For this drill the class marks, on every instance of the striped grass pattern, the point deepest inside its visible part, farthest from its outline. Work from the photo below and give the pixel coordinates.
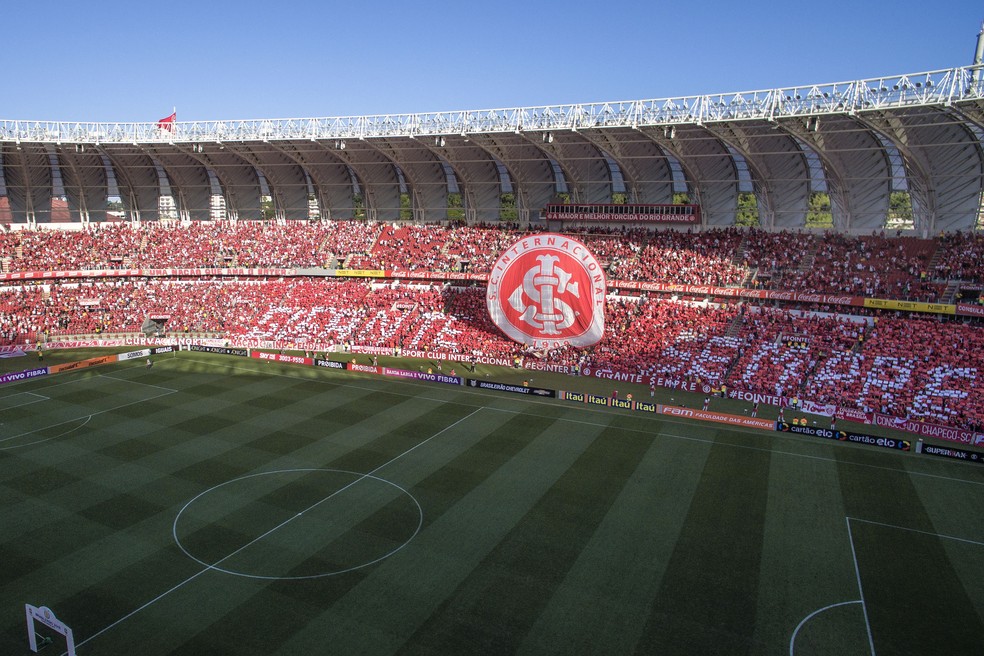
(216, 505)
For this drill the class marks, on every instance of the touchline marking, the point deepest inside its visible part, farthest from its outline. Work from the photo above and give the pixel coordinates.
(857, 574)
(792, 640)
(916, 530)
(747, 447)
(668, 420)
(257, 539)
(88, 374)
(49, 378)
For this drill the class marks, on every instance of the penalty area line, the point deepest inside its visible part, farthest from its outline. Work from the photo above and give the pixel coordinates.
(40, 398)
(916, 530)
(857, 574)
(47, 439)
(87, 417)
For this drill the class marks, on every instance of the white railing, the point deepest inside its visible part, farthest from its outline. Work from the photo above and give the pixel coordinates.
(941, 87)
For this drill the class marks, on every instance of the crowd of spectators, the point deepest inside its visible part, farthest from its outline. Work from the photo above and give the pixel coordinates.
(961, 257)
(774, 254)
(476, 248)
(410, 247)
(872, 266)
(102, 247)
(693, 258)
(783, 347)
(674, 340)
(917, 368)
(187, 245)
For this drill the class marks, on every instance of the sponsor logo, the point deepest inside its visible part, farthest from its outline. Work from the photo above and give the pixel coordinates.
(548, 291)
(419, 375)
(505, 387)
(133, 355)
(536, 365)
(23, 375)
(331, 364)
(843, 436)
(222, 350)
(719, 417)
(295, 359)
(645, 406)
(957, 454)
(429, 355)
(91, 362)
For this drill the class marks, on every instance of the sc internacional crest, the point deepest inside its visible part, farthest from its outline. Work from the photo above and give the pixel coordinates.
(548, 291)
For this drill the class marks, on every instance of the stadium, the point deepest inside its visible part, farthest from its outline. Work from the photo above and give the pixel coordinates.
(691, 375)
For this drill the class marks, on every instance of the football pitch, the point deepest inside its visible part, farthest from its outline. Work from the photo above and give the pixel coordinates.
(220, 505)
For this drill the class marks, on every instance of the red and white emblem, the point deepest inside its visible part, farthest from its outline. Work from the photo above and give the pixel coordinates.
(547, 291)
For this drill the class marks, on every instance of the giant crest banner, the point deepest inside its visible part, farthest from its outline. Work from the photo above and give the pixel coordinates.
(548, 291)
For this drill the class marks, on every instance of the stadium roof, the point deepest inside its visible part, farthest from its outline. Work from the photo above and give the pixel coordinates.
(856, 142)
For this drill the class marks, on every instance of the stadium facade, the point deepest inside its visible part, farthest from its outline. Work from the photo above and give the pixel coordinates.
(857, 143)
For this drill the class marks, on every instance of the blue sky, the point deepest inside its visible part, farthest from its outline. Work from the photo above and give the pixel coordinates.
(133, 61)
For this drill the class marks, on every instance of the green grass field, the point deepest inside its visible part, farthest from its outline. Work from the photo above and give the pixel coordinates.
(219, 505)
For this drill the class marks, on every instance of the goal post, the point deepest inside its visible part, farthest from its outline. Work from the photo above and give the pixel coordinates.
(46, 617)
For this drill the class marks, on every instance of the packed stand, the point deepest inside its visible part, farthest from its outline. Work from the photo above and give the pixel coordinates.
(103, 246)
(782, 347)
(907, 367)
(875, 266)
(692, 258)
(918, 368)
(961, 257)
(676, 341)
(775, 255)
(872, 266)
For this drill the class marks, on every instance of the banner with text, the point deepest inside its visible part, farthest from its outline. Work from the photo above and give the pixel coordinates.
(14, 376)
(846, 436)
(957, 454)
(515, 389)
(279, 357)
(924, 429)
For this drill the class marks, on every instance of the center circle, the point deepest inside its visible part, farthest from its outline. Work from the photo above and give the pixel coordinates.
(294, 524)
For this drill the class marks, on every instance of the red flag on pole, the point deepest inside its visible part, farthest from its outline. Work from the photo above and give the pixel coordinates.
(167, 123)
